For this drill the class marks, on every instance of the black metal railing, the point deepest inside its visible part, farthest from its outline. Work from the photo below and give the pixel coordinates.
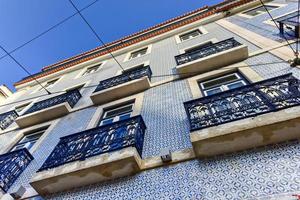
(207, 50)
(71, 97)
(12, 164)
(96, 141)
(125, 77)
(7, 119)
(262, 97)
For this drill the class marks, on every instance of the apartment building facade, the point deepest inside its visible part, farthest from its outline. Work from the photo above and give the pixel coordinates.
(203, 106)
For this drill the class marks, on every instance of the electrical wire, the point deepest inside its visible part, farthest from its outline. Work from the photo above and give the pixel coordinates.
(49, 29)
(97, 35)
(296, 53)
(23, 68)
(153, 76)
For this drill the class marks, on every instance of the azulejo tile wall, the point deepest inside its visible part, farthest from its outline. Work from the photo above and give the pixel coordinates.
(251, 174)
(257, 25)
(165, 118)
(70, 124)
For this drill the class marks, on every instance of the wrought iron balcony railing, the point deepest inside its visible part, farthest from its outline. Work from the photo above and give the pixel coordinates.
(251, 100)
(207, 50)
(125, 77)
(71, 97)
(12, 164)
(7, 119)
(96, 141)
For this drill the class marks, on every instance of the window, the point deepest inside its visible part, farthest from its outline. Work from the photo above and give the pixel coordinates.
(20, 108)
(190, 35)
(91, 70)
(116, 114)
(49, 84)
(79, 87)
(223, 83)
(206, 44)
(259, 10)
(138, 53)
(29, 139)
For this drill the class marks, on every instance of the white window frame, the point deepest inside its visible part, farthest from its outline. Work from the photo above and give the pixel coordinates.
(223, 87)
(136, 110)
(89, 66)
(213, 40)
(25, 105)
(146, 63)
(128, 56)
(202, 30)
(242, 14)
(50, 126)
(117, 117)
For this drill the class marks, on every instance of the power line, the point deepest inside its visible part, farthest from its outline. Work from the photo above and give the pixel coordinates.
(97, 36)
(296, 53)
(24, 69)
(49, 29)
(153, 76)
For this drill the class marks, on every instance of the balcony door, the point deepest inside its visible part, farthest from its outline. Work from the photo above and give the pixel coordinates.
(115, 114)
(223, 83)
(29, 139)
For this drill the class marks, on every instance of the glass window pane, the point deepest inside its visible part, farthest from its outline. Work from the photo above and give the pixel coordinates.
(190, 35)
(138, 53)
(125, 116)
(118, 111)
(213, 91)
(220, 81)
(235, 85)
(106, 121)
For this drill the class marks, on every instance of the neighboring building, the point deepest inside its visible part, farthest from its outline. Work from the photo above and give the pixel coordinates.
(4, 93)
(206, 108)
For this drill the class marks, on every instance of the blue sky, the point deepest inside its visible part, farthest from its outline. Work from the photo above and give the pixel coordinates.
(21, 20)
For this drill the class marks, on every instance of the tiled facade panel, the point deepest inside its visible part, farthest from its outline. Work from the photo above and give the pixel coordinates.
(268, 66)
(261, 172)
(165, 118)
(70, 124)
(257, 25)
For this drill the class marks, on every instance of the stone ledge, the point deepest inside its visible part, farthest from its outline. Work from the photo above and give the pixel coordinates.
(212, 62)
(95, 169)
(120, 91)
(44, 115)
(247, 133)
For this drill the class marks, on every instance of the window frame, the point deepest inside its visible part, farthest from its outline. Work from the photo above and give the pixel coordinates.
(24, 106)
(243, 14)
(116, 118)
(99, 66)
(201, 29)
(32, 132)
(128, 56)
(224, 86)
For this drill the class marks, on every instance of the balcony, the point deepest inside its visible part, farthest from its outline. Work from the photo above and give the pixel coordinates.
(93, 156)
(126, 84)
(259, 114)
(7, 119)
(12, 164)
(211, 57)
(49, 109)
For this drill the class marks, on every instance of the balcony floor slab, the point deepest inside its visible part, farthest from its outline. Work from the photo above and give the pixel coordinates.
(120, 91)
(212, 62)
(43, 115)
(269, 128)
(95, 169)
